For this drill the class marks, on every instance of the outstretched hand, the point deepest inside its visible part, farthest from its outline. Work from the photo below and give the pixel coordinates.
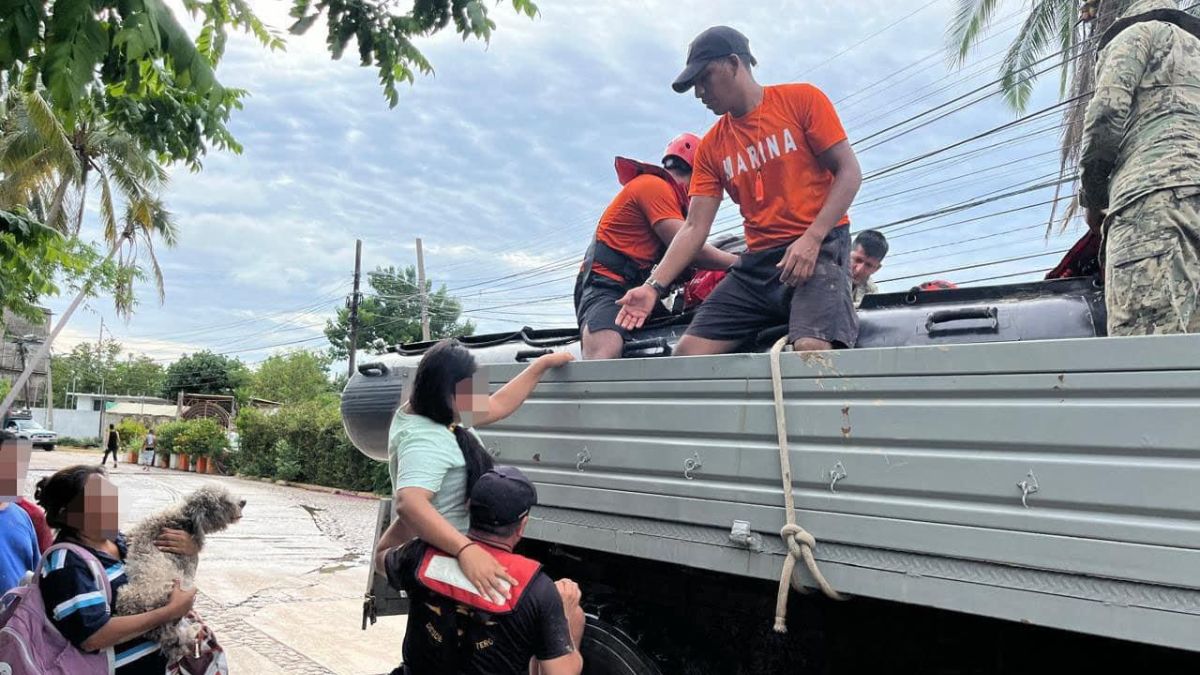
(636, 306)
(555, 359)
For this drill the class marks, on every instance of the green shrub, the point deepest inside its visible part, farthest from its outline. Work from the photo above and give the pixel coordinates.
(132, 433)
(167, 433)
(201, 438)
(255, 455)
(72, 442)
(319, 451)
(287, 460)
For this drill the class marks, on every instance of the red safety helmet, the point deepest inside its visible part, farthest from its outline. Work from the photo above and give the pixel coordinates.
(937, 285)
(684, 147)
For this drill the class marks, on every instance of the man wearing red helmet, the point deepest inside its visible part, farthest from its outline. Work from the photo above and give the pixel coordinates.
(630, 239)
(781, 154)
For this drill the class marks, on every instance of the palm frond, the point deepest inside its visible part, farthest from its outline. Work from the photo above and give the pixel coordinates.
(1017, 74)
(108, 215)
(970, 20)
(156, 268)
(45, 122)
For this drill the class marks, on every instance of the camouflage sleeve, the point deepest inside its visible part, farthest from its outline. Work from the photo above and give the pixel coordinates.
(1118, 74)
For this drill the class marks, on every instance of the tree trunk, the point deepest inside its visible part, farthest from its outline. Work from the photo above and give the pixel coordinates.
(44, 348)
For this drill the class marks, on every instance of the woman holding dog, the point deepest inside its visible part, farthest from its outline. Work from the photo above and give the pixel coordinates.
(435, 457)
(81, 503)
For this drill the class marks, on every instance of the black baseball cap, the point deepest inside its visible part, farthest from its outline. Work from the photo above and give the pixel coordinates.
(713, 43)
(501, 497)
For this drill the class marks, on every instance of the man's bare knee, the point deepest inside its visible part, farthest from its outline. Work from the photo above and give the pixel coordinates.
(603, 344)
(806, 344)
(690, 345)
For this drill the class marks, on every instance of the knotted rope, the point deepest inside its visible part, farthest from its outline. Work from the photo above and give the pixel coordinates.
(800, 542)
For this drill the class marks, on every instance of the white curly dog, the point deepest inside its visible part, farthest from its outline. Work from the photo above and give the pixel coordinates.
(152, 572)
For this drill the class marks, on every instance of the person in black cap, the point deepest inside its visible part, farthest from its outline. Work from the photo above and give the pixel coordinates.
(782, 155)
(452, 628)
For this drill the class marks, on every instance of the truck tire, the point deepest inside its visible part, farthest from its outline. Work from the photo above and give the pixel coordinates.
(607, 650)
(48, 448)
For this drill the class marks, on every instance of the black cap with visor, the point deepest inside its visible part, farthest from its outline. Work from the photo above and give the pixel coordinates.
(714, 43)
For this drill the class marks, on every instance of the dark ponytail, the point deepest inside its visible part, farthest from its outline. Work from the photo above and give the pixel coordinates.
(57, 493)
(445, 365)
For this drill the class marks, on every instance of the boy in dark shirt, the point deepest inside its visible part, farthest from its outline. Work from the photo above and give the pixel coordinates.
(453, 629)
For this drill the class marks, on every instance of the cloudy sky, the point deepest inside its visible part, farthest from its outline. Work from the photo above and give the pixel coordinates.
(502, 162)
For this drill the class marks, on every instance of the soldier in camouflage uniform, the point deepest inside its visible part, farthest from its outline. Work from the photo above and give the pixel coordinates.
(1141, 168)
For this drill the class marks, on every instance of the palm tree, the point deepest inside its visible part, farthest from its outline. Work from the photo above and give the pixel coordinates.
(48, 169)
(1052, 32)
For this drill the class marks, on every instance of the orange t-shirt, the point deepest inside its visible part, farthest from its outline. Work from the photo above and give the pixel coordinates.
(627, 222)
(781, 138)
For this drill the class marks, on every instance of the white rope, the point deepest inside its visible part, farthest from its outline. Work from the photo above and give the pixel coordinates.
(799, 542)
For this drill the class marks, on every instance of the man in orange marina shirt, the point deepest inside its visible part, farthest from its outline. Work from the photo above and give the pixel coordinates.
(632, 234)
(782, 155)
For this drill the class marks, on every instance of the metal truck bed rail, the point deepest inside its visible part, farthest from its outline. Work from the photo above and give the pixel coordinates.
(1052, 482)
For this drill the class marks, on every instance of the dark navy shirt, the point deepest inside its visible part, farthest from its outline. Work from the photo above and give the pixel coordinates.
(444, 636)
(75, 605)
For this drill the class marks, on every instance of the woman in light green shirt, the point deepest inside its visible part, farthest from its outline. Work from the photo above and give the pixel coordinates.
(434, 459)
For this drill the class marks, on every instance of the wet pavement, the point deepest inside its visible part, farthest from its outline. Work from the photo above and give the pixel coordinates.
(283, 588)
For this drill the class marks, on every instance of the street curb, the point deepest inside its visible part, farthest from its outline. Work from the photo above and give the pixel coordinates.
(303, 486)
(312, 488)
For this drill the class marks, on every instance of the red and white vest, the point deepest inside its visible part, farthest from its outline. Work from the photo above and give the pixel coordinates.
(440, 573)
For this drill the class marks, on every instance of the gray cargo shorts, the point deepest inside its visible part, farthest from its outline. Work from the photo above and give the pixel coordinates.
(751, 298)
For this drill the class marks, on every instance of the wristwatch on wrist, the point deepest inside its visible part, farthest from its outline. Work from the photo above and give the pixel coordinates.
(658, 288)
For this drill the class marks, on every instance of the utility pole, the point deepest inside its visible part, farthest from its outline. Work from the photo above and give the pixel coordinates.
(355, 298)
(424, 295)
(49, 375)
(100, 365)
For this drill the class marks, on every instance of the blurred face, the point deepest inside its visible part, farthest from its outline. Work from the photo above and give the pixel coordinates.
(95, 512)
(716, 87)
(14, 466)
(862, 266)
(471, 398)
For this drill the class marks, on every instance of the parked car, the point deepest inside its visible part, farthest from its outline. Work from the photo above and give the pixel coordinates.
(40, 436)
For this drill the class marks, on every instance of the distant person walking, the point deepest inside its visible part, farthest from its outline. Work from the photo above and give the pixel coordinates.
(111, 445)
(147, 458)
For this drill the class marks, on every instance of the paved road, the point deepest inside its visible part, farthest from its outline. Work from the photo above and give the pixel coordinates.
(283, 588)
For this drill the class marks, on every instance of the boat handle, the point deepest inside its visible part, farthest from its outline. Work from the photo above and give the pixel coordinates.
(659, 343)
(373, 369)
(527, 354)
(962, 314)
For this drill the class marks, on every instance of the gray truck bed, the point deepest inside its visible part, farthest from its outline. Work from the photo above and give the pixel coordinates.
(928, 446)
(933, 442)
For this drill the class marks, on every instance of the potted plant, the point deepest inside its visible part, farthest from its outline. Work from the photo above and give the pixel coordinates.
(201, 463)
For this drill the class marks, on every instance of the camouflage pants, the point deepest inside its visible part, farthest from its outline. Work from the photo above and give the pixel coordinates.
(1152, 266)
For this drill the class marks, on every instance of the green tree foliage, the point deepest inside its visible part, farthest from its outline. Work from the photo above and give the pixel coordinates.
(37, 262)
(111, 91)
(205, 373)
(131, 61)
(392, 313)
(89, 369)
(292, 378)
(47, 169)
(384, 37)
